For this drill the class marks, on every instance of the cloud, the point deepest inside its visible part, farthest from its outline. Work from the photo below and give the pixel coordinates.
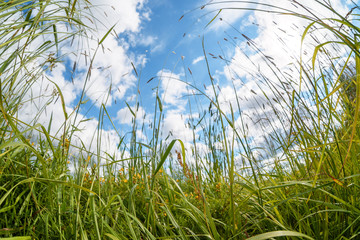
(198, 59)
(262, 71)
(124, 115)
(140, 39)
(158, 47)
(125, 15)
(175, 124)
(112, 75)
(231, 12)
(42, 104)
(153, 43)
(173, 89)
(111, 69)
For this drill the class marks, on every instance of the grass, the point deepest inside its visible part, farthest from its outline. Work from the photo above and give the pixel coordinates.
(309, 190)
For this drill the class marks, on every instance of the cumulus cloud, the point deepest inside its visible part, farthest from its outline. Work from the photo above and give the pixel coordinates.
(175, 125)
(262, 71)
(127, 15)
(173, 89)
(106, 77)
(111, 71)
(124, 115)
(111, 74)
(231, 11)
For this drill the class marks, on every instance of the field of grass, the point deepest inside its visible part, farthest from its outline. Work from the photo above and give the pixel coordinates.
(309, 190)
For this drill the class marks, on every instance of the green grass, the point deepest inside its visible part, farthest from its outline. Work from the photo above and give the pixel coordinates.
(310, 192)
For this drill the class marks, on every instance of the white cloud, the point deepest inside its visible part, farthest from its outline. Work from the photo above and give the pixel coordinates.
(175, 124)
(45, 105)
(198, 59)
(153, 43)
(230, 13)
(141, 136)
(112, 74)
(158, 47)
(124, 13)
(111, 68)
(142, 40)
(255, 75)
(124, 115)
(173, 89)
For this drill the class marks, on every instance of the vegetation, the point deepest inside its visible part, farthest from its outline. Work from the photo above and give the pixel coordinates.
(309, 189)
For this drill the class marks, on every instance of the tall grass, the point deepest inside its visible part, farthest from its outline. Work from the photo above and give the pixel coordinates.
(307, 190)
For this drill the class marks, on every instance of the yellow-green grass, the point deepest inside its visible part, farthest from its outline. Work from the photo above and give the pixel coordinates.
(311, 192)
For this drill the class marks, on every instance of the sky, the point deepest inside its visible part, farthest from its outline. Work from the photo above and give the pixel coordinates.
(156, 46)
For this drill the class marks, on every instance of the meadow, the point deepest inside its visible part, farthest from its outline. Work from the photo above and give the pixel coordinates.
(308, 189)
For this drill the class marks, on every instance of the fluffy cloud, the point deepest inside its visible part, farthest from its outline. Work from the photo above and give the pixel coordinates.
(173, 89)
(262, 71)
(124, 115)
(112, 74)
(231, 11)
(126, 14)
(111, 69)
(175, 124)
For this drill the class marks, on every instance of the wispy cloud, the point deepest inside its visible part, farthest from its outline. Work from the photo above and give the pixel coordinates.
(198, 59)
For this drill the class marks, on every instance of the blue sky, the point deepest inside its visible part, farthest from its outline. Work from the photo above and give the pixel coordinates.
(150, 36)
